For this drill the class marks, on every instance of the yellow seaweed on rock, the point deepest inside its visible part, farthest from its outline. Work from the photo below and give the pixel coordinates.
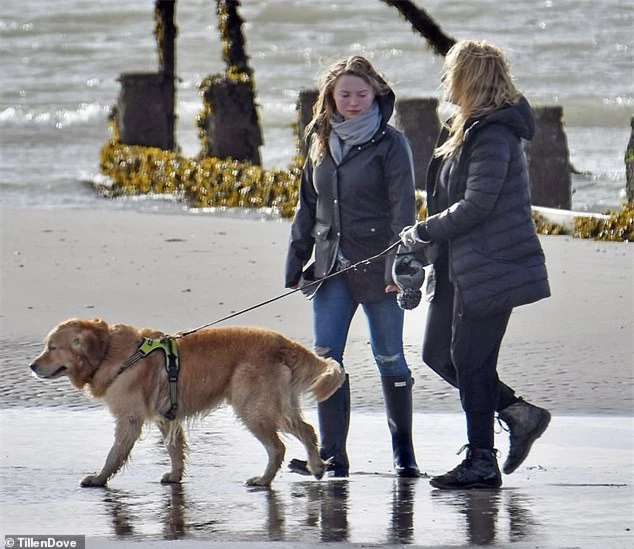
(201, 183)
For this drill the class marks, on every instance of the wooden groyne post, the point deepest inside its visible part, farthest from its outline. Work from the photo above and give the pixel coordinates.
(418, 120)
(549, 160)
(146, 104)
(629, 165)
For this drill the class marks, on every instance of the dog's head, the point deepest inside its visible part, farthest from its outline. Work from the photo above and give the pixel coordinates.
(74, 348)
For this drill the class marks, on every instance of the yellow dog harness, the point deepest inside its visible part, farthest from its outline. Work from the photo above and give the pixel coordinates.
(172, 364)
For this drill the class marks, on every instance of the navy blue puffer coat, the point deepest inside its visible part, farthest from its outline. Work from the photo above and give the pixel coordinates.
(495, 258)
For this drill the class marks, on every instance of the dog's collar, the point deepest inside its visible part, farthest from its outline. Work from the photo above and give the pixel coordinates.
(172, 364)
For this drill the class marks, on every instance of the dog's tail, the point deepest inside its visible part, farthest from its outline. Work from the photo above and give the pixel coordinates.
(312, 373)
(328, 381)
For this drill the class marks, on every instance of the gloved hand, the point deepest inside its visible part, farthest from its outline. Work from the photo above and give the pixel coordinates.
(409, 274)
(410, 237)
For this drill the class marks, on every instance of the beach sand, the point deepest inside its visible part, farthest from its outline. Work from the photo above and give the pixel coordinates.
(571, 353)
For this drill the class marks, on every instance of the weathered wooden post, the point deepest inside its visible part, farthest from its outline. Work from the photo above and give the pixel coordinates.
(232, 125)
(418, 119)
(145, 108)
(549, 160)
(304, 108)
(141, 111)
(231, 121)
(166, 32)
(629, 165)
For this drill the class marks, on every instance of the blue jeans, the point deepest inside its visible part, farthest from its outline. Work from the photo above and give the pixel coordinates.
(333, 310)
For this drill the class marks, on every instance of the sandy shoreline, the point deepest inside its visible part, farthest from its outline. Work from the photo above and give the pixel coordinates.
(572, 352)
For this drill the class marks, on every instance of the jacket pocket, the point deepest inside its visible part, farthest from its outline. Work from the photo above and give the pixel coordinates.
(367, 230)
(320, 231)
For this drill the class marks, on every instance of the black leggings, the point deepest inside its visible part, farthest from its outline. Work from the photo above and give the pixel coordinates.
(464, 350)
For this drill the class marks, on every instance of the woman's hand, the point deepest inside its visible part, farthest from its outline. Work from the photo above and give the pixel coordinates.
(391, 288)
(416, 234)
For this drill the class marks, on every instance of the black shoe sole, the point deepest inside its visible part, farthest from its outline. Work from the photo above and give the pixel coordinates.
(472, 486)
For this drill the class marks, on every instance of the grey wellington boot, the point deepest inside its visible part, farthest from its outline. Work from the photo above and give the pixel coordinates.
(478, 470)
(526, 423)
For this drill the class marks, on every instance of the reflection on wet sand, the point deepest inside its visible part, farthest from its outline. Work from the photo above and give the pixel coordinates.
(327, 508)
(124, 512)
(402, 523)
(174, 512)
(321, 508)
(483, 512)
(122, 520)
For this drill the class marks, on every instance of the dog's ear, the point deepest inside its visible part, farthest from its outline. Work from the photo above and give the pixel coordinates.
(92, 341)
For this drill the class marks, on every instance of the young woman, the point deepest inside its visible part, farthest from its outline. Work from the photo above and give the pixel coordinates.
(489, 257)
(356, 195)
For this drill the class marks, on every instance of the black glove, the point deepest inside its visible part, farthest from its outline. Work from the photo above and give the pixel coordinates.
(409, 274)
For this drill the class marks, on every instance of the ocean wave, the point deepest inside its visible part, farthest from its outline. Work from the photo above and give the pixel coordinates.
(84, 113)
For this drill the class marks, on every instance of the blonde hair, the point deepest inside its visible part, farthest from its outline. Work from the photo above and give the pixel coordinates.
(318, 129)
(477, 78)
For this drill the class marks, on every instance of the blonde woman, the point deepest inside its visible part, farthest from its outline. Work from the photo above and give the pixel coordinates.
(490, 259)
(356, 195)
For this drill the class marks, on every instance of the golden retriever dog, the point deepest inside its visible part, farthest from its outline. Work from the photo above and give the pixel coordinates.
(260, 373)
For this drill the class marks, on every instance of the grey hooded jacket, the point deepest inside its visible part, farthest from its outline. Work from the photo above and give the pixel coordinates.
(495, 258)
(358, 207)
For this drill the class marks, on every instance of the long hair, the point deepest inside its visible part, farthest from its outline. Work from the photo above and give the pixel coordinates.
(318, 129)
(477, 78)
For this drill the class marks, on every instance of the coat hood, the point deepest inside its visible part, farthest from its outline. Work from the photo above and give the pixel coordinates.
(519, 118)
(386, 104)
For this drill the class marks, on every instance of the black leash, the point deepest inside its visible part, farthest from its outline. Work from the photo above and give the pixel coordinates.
(319, 281)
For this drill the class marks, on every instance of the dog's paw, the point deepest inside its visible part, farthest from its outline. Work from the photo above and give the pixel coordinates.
(258, 481)
(171, 478)
(318, 472)
(92, 481)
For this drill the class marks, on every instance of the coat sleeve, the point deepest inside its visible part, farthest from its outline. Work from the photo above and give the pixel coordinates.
(485, 167)
(399, 172)
(301, 241)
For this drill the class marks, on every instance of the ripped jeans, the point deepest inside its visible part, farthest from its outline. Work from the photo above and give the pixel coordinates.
(333, 310)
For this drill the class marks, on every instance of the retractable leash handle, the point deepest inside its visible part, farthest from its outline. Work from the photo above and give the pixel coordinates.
(409, 274)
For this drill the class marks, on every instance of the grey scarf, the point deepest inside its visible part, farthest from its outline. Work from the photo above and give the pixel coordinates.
(347, 133)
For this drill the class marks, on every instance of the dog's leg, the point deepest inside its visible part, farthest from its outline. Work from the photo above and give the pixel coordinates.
(174, 438)
(305, 433)
(266, 433)
(127, 431)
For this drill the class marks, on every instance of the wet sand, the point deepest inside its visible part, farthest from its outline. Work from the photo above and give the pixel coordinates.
(575, 490)
(571, 353)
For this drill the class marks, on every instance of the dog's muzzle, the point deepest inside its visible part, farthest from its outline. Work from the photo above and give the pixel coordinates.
(42, 375)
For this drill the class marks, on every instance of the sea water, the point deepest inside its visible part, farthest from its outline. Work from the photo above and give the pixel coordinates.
(60, 63)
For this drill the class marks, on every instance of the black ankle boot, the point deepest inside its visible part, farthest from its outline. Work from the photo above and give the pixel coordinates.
(397, 392)
(526, 423)
(334, 421)
(478, 470)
